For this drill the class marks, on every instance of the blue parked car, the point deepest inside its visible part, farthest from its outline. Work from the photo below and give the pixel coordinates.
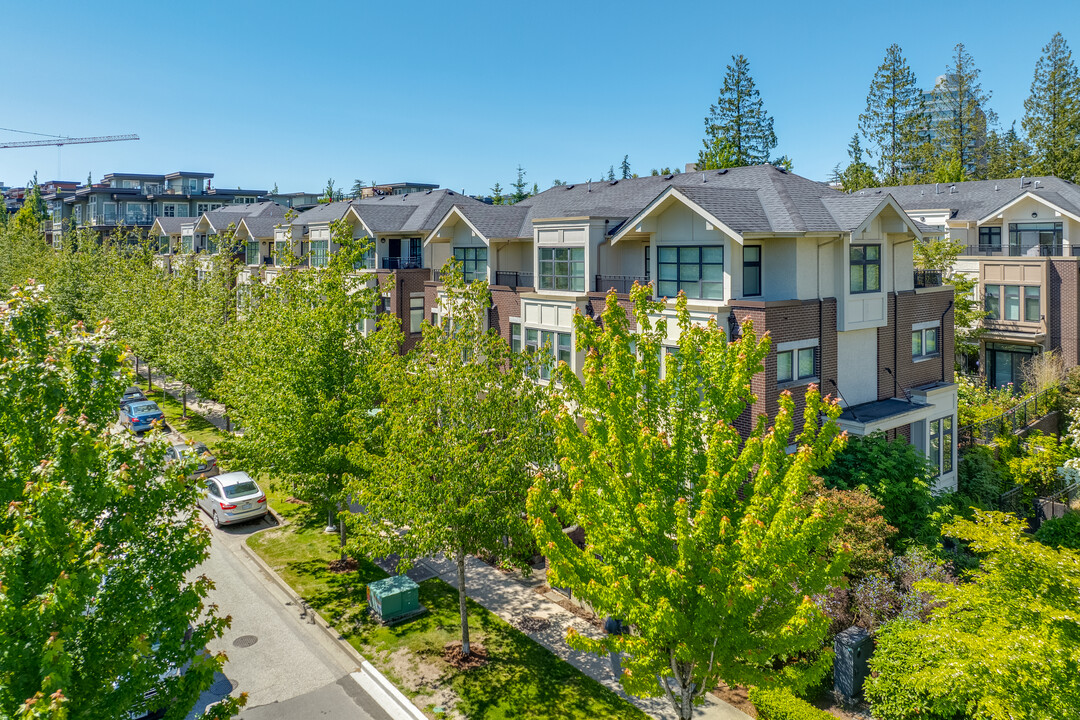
(140, 415)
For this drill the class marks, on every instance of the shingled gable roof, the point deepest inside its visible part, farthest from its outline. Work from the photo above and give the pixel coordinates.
(761, 198)
(408, 213)
(170, 225)
(977, 200)
(260, 226)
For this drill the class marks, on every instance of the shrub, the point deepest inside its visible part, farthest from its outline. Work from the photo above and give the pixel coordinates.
(864, 532)
(896, 475)
(879, 599)
(1039, 459)
(1062, 532)
(979, 478)
(776, 703)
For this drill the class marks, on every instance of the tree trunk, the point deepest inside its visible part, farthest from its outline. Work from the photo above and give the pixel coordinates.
(136, 367)
(331, 526)
(341, 528)
(461, 602)
(150, 379)
(185, 401)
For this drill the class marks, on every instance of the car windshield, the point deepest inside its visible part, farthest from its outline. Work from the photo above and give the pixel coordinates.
(142, 408)
(240, 489)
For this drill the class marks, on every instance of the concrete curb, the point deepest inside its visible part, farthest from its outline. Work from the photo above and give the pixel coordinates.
(368, 676)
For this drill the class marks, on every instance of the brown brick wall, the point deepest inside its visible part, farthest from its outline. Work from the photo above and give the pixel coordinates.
(894, 343)
(1062, 305)
(505, 304)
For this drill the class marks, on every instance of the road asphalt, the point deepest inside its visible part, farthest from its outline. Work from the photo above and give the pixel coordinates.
(288, 667)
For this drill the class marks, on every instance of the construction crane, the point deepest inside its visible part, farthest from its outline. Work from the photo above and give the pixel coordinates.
(69, 141)
(59, 140)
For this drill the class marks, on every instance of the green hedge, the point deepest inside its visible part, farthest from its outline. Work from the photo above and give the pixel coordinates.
(781, 704)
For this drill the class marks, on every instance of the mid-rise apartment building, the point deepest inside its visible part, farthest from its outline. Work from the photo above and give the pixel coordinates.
(134, 200)
(829, 276)
(1021, 239)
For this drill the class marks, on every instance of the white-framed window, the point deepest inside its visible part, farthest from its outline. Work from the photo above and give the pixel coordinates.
(562, 269)
(925, 341)
(796, 361)
(168, 210)
(515, 335)
(556, 343)
(319, 253)
(251, 253)
(697, 270)
(940, 451)
(187, 244)
(91, 210)
(109, 210)
(416, 313)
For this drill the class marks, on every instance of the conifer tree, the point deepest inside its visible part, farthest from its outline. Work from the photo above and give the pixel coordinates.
(521, 187)
(738, 120)
(893, 116)
(624, 166)
(1007, 154)
(1052, 112)
(857, 175)
(964, 115)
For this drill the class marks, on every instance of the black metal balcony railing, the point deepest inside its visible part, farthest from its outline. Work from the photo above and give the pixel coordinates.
(1018, 250)
(621, 283)
(514, 279)
(928, 278)
(401, 263)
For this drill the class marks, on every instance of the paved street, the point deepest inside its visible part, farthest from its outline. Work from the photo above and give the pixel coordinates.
(288, 668)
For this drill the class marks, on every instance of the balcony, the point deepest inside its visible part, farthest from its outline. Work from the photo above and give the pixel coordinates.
(621, 283)
(928, 278)
(1021, 250)
(514, 280)
(402, 263)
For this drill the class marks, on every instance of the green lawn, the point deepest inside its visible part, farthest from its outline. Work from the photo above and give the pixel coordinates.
(195, 428)
(522, 678)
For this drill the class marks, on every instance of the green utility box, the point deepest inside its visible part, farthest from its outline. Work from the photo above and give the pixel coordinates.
(395, 599)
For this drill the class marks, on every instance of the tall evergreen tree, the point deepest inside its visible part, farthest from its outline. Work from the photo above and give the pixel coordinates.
(611, 173)
(624, 166)
(1052, 112)
(1007, 154)
(497, 197)
(893, 116)
(857, 175)
(521, 187)
(738, 120)
(963, 115)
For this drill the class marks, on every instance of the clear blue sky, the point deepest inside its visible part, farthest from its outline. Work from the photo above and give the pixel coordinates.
(461, 93)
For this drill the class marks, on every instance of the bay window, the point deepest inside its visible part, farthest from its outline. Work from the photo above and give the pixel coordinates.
(562, 269)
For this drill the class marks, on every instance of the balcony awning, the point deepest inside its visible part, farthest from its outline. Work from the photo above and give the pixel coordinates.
(880, 415)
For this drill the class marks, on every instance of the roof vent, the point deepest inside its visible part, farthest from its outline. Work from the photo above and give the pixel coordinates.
(937, 190)
(722, 171)
(1022, 181)
(996, 188)
(952, 189)
(404, 196)
(1037, 184)
(703, 180)
(428, 192)
(613, 182)
(668, 177)
(877, 192)
(382, 197)
(569, 187)
(449, 192)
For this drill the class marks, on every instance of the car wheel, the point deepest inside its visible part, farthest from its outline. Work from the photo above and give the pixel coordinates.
(217, 520)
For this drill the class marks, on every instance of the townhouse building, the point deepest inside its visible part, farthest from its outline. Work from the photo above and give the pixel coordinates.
(134, 200)
(1021, 242)
(829, 276)
(188, 235)
(397, 225)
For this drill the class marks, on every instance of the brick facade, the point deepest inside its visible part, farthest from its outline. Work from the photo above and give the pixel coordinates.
(894, 342)
(1062, 304)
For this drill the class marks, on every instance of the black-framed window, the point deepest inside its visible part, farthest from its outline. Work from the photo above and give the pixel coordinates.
(319, 255)
(562, 269)
(473, 262)
(1047, 237)
(415, 252)
(648, 265)
(990, 238)
(924, 343)
(865, 262)
(697, 270)
(1032, 303)
(751, 272)
(416, 313)
(794, 365)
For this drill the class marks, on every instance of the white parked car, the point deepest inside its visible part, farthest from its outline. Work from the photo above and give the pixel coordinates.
(232, 498)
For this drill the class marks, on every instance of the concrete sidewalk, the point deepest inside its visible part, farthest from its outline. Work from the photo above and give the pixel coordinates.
(211, 410)
(546, 622)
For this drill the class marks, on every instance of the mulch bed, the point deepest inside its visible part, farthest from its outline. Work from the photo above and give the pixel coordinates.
(295, 501)
(343, 566)
(476, 658)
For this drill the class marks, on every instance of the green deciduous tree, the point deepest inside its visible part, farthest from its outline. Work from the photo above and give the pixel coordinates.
(739, 118)
(696, 538)
(98, 541)
(941, 254)
(301, 372)
(1004, 645)
(964, 116)
(893, 117)
(1052, 112)
(461, 431)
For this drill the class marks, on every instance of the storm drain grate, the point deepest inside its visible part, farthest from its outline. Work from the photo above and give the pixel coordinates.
(245, 641)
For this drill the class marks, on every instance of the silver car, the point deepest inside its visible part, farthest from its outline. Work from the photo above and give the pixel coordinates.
(232, 498)
(198, 453)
